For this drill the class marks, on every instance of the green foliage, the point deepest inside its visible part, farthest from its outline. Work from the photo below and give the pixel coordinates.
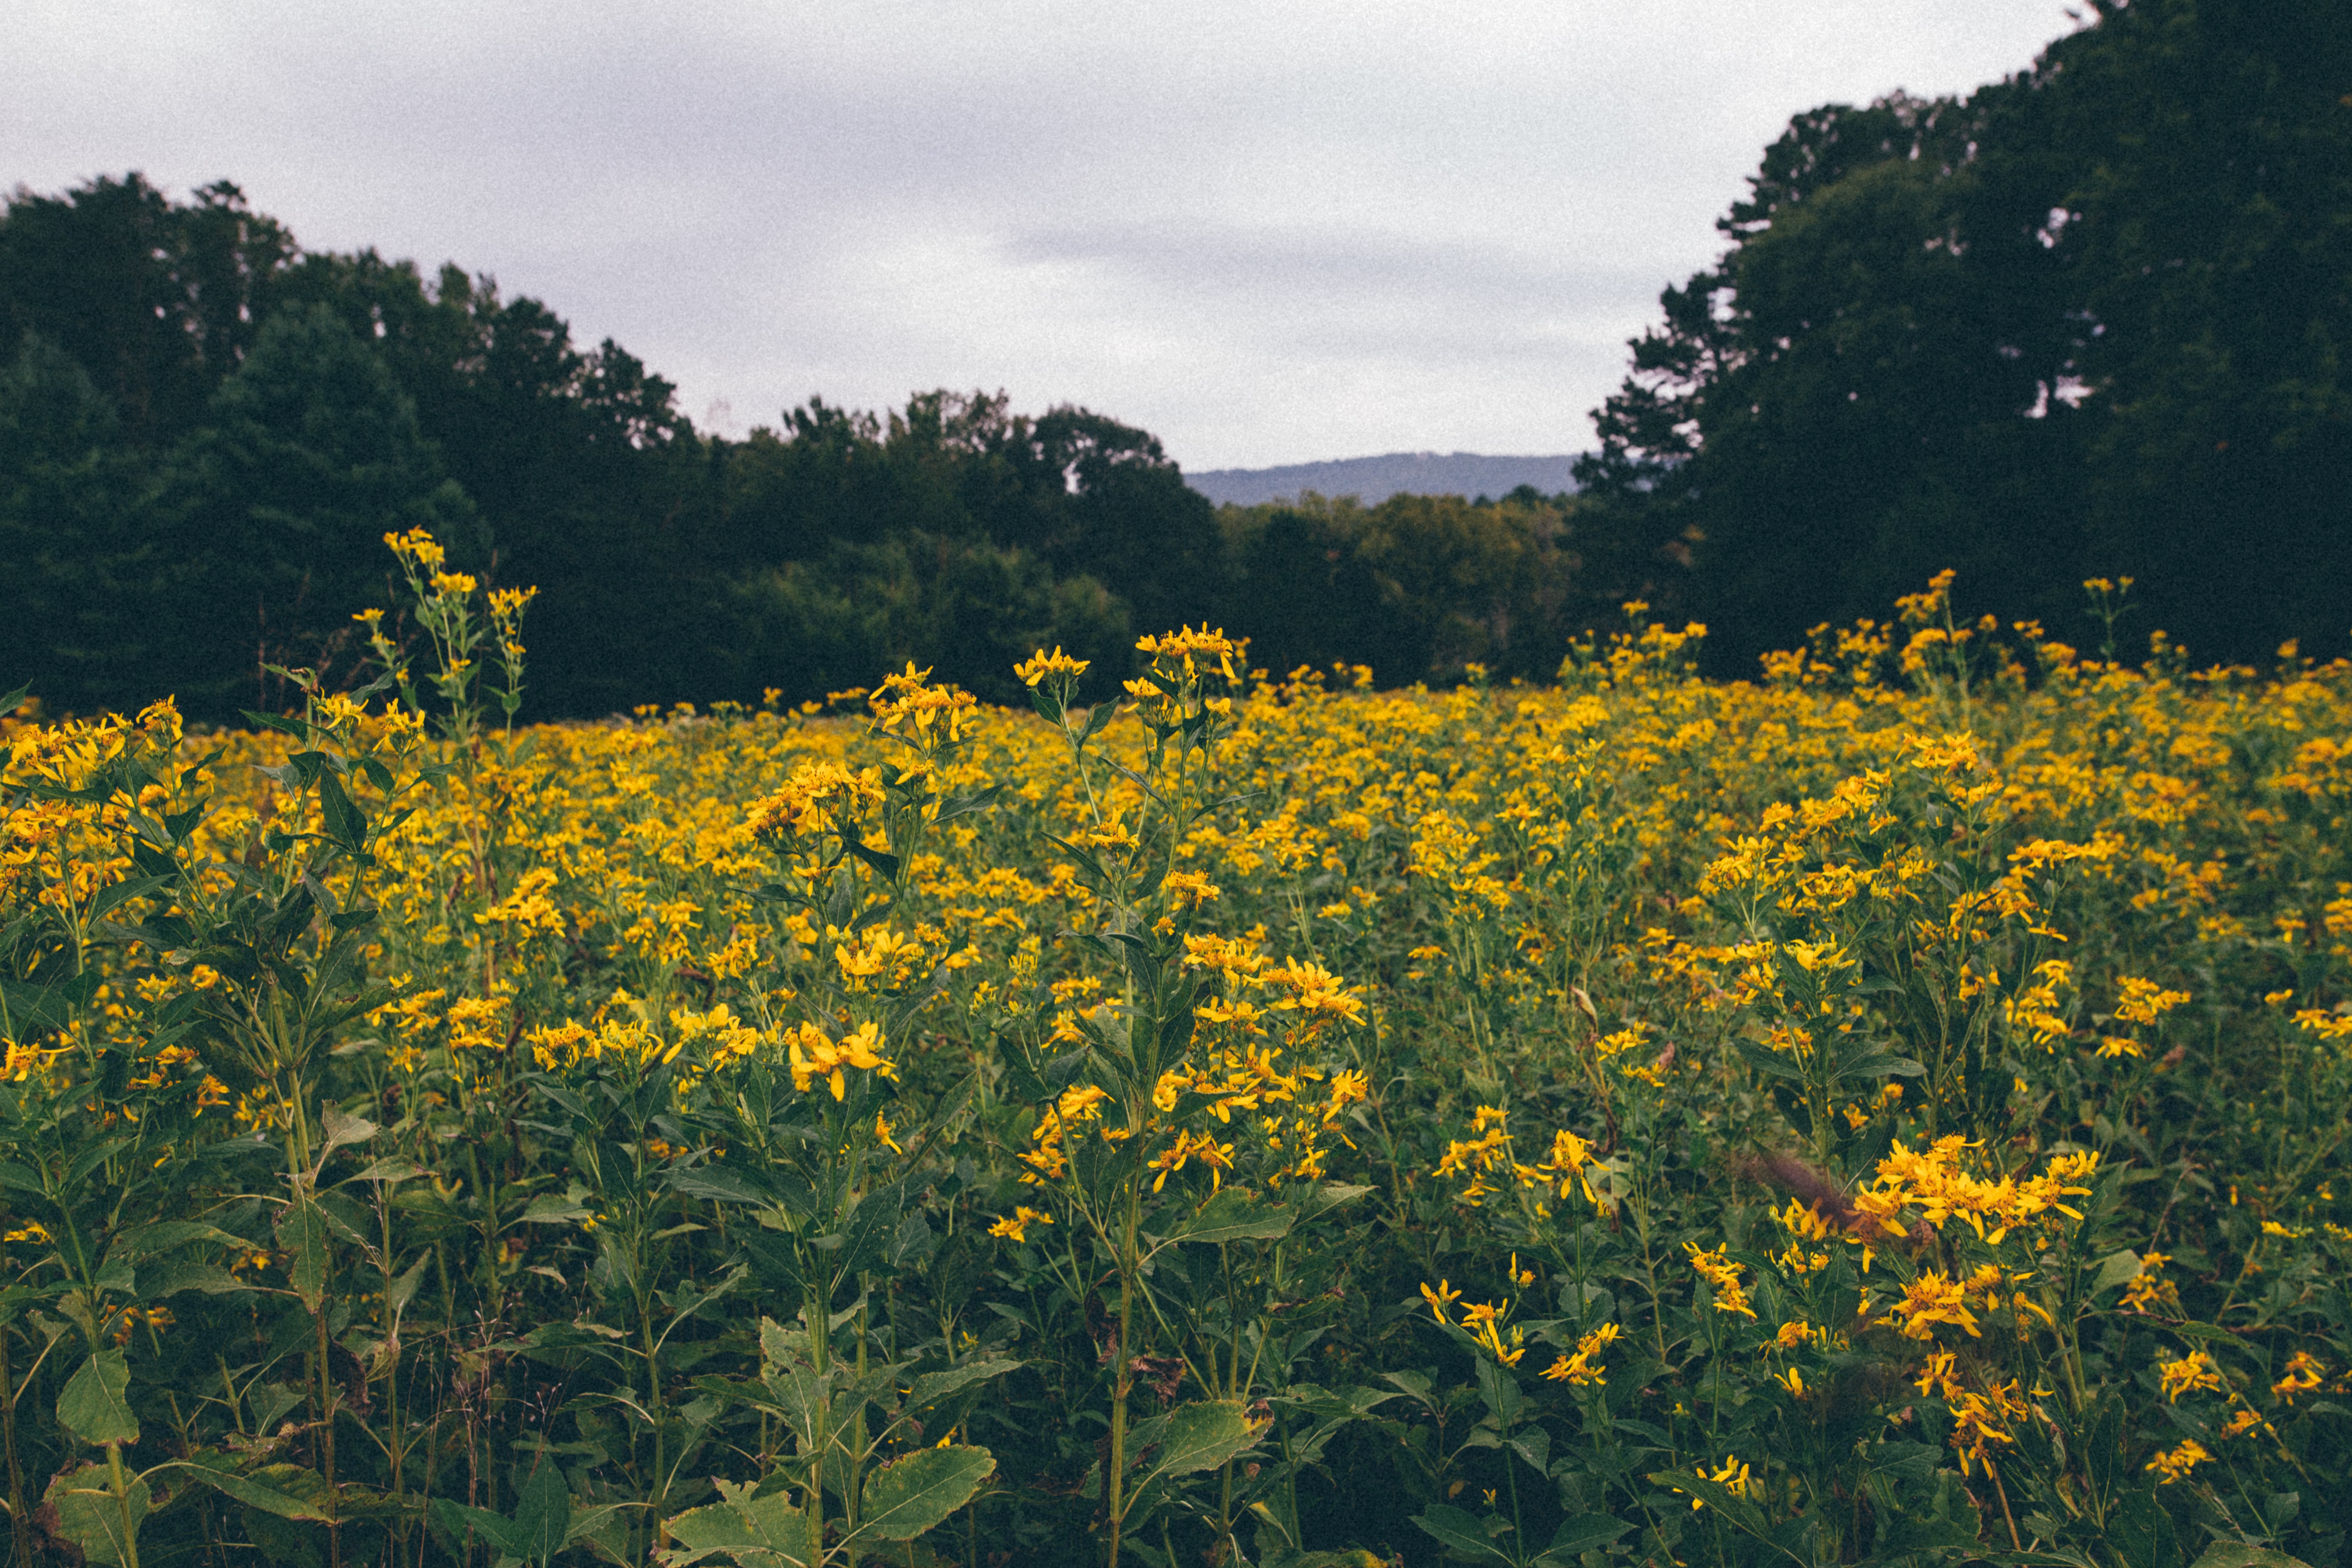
(275, 510)
(1416, 588)
(967, 608)
(927, 1157)
(2089, 321)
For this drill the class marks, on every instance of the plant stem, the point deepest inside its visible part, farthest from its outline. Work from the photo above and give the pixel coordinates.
(23, 1545)
(821, 1358)
(1124, 1380)
(122, 1504)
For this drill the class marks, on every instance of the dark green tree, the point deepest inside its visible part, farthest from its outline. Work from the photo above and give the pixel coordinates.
(75, 598)
(2088, 321)
(158, 301)
(2191, 163)
(275, 510)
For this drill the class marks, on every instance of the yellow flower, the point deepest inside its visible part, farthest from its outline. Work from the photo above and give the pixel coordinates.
(1723, 1275)
(2192, 1374)
(1014, 1227)
(1583, 1367)
(1731, 1475)
(2303, 1376)
(1036, 668)
(2177, 1462)
(814, 1057)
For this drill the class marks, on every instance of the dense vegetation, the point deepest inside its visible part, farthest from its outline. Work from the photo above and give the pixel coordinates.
(206, 430)
(2094, 319)
(2091, 321)
(1891, 1113)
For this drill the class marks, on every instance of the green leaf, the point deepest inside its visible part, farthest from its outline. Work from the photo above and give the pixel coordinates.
(89, 1515)
(1881, 1064)
(170, 1279)
(341, 1129)
(1585, 1533)
(886, 865)
(303, 1231)
(217, 1470)
(544, 1513)
(499, 1530)
(963, 805)
(1460, 1531)
(392, 1168)
(934, 1386)
(2235, 1554)
(907, 1497)
(1197, 1436)
(798, 1389)
(871, 1227)
(1099, 719)
(92, 1406)
(1235, 1213)
(345, 823)
(2115, 1268)
(716, 1183)
(753, 1532)
(553, 1208)
(153, 1241)
(1321, 1200)
(294, 727)
(1765, 1059)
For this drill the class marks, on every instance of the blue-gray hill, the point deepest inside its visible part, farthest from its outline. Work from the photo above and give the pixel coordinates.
(1373, 479)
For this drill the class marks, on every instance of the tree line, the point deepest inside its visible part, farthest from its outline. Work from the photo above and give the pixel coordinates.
(2094, 319)
(206, 430)
(2089, 320)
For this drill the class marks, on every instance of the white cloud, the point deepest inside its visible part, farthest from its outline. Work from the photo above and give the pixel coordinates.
(1266, 233)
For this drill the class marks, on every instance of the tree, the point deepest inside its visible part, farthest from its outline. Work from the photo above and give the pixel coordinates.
(2205, 246)
(277, 508)
(2089, 320)
(157, 301)
(75, 603)
(1417, 587)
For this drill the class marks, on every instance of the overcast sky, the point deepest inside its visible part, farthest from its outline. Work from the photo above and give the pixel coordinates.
(1268, 232)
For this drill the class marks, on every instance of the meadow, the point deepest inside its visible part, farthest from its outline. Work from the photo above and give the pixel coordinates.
(1888, 1110)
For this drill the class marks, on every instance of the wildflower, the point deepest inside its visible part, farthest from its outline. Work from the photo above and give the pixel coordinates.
(1056, 663)
(1982, 1421)
(1723, 1275)
(814, 1057)
(1583, 1367)
(2303, 1376)
(2178, 1461)
(1189, 1146)
(1933, 1298)
(1440, 1299)
(2192, 1374)
(1731, 1475)
(2244, 1421)
(1186, 646)
(1014, 1227)
(2143, 1001)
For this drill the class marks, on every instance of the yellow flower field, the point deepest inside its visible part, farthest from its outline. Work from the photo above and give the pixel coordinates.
(1892, 1110)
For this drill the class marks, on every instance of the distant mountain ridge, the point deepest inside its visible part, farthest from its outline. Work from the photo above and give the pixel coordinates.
(1374, 479)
